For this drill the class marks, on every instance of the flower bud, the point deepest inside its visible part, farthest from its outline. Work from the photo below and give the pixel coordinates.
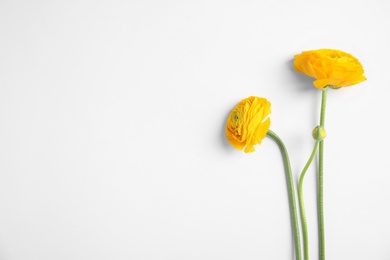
(319, 133)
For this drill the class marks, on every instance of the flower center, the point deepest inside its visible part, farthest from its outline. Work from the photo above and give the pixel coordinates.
(236, 119)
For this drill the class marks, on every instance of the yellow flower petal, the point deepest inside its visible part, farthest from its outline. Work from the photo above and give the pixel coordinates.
(248, 123)
(330, 67)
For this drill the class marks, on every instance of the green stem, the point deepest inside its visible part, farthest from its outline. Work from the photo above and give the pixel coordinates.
(321, 228)
(323, 107)
(302, 205)
(291, 193)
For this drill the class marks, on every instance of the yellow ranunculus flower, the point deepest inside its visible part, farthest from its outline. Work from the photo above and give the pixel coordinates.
(329, 67)
(248, 123)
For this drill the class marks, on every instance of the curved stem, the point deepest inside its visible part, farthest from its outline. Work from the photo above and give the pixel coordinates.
(321, 228)
(302, 205)
(291, 193)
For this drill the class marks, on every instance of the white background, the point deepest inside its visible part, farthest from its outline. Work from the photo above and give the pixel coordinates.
(112, 117)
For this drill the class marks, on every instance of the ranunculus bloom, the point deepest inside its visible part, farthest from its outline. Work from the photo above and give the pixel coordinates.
(329, 67)
(248, 123)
